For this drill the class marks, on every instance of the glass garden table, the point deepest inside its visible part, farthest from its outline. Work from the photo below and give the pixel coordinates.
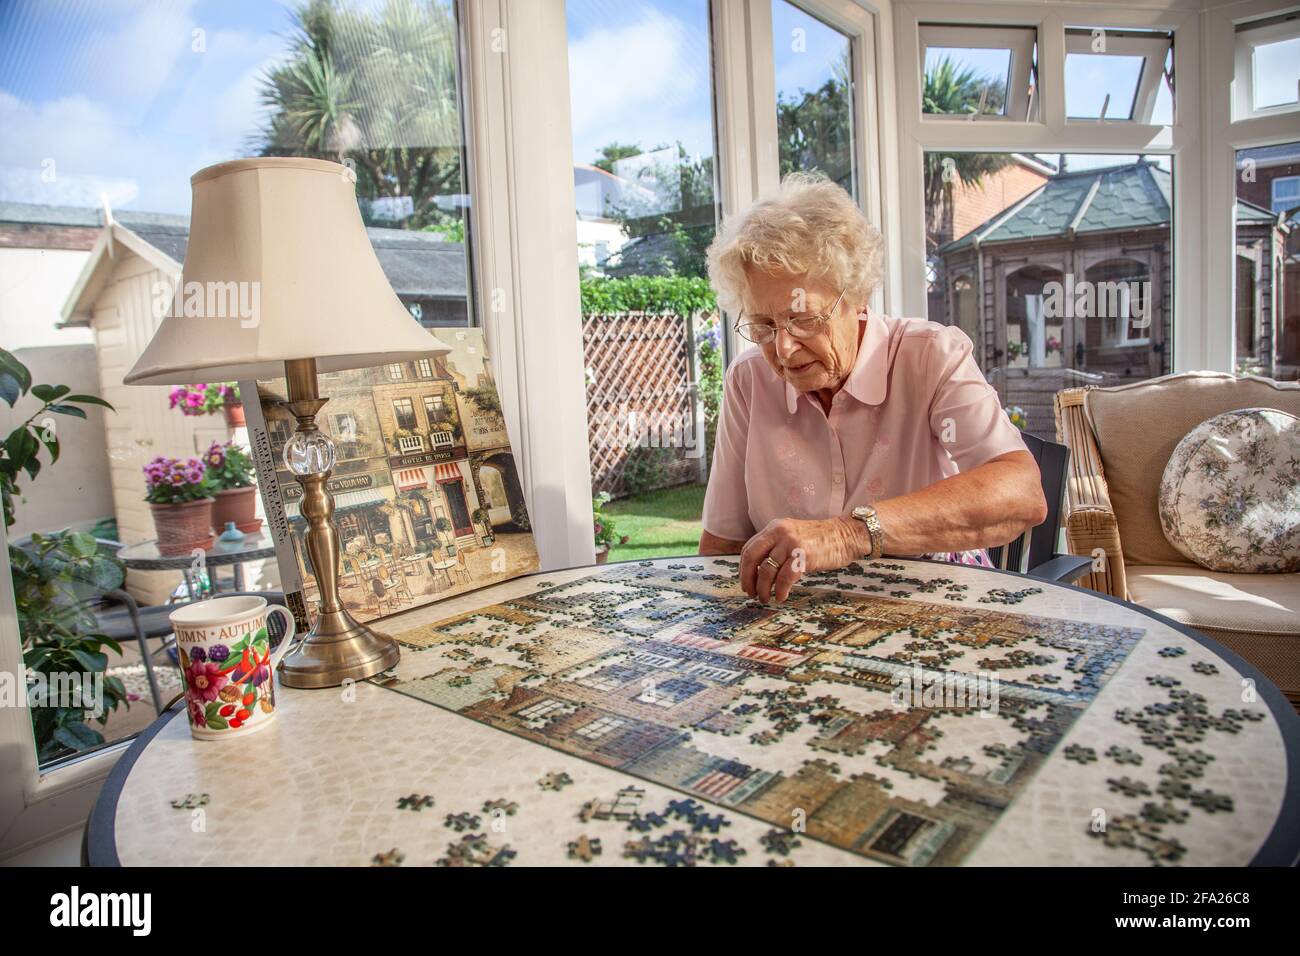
(255, 545)
(647, 713)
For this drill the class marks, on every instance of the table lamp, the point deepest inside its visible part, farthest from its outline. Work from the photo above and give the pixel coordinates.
(280, 279)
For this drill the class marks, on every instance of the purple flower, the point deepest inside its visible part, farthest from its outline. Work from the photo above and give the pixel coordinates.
(218, 653)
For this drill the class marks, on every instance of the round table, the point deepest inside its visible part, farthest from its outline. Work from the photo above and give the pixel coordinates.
(647, 713)
(255, 545)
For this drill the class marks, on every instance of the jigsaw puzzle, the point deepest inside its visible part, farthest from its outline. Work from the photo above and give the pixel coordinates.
(787, 713)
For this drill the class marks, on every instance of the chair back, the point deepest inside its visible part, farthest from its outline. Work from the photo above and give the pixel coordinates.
(1038, 544)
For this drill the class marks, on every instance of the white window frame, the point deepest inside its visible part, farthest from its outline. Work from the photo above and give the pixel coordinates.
(1245, 42)
(748, 162)
(1225, 85)
(1052, 132)
(1154, 50)
(1018, 39)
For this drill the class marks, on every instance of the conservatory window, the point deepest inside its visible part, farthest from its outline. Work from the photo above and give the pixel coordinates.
(979, 71)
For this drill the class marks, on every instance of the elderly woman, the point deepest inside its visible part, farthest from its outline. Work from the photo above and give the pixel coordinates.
(847, 434)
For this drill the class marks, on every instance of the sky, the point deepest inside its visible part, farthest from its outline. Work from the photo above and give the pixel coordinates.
(127, 98)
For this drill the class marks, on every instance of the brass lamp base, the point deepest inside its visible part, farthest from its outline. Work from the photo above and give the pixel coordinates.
(339, 648)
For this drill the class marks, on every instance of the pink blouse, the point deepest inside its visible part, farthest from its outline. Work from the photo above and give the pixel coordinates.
(914, 410)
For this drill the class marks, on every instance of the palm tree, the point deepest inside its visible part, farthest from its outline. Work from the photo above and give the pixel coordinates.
(950, 91)
(376, 90)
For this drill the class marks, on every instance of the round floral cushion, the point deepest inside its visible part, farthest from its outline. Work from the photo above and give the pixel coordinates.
(1230, 495)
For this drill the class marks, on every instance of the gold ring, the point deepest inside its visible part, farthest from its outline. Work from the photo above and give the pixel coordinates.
(772, 561)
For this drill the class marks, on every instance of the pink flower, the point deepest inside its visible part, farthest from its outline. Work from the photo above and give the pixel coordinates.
(197, 715)
(205, 680)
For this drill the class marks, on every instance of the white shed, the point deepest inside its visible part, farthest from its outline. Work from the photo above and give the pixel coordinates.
(114, 298)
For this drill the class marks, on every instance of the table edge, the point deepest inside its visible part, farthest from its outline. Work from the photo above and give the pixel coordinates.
(100, 842)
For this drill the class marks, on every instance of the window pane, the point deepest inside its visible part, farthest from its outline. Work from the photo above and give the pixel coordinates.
(112, 106)
(1277, 73)
(814, 96)
(960, 80)
(1267, 264)
(1097, 82)
(1069, 282)
(640, 80)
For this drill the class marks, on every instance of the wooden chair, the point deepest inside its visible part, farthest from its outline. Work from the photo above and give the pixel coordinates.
(461, 568)
(1034, 552)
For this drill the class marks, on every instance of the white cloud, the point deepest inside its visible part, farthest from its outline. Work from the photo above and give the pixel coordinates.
(647, 81)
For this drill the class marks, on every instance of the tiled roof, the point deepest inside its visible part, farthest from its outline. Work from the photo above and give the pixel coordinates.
(1133, 196)
(417, 264)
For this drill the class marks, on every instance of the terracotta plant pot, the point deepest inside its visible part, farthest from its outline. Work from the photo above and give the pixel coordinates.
(183, 527)
(238, 505)
(234, 416)
(602, 555)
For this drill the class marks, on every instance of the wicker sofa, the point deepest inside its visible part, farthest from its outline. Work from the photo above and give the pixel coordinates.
(1120, 440)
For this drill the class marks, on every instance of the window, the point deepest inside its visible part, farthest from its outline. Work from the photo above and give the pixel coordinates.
(1057, 267)
(158, 91)
(1118, 75)
(1286, 194)
(600, 727)
(544, 712)
(1267, 271)
(424, 368)
(641, 96)
(671, 692)
(1267, 69)
(983, 72)
(395, 372)
(435, 410)
(404, 414)
(814, 96)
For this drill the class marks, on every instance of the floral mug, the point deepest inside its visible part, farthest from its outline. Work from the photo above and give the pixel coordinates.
(227, 663)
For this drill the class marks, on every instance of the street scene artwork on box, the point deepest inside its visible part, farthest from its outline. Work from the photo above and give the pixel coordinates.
(427, 500)
(785, 712)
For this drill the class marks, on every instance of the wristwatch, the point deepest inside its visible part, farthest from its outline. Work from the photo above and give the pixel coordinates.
(867, 515)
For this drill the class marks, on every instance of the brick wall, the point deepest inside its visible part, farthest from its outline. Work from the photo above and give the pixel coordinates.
(21, 235)
(972, 206)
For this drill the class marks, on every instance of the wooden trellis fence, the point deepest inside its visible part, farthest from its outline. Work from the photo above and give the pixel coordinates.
(641, 391)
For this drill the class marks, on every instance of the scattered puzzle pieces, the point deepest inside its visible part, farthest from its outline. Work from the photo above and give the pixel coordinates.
(415, 801)
(584, 849)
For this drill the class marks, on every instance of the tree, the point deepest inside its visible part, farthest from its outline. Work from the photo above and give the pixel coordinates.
(952, 91)
(612, 153)
(667, 213)
(375, 90)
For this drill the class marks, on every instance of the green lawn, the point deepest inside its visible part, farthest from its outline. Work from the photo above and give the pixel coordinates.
(659, 524)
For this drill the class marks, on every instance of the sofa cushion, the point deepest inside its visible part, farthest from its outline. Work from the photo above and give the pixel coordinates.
(1137, 428)
(1255, 615)
(1230, 496)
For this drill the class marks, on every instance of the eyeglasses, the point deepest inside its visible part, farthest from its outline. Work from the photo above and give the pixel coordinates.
(799, 326)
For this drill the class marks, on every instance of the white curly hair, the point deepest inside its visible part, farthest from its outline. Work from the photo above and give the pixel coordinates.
(812, 226)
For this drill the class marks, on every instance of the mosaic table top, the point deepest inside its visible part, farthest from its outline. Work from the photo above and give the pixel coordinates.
(892, 713)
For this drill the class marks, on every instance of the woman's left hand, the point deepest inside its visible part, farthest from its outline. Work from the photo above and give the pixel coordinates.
(794, 547)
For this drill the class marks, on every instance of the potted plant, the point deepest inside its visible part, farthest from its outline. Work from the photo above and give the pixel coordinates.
(480, 515)
(230, 472)
(180, 497)
(208, 399)
(443, 528)
(58, 580)
(603, 527)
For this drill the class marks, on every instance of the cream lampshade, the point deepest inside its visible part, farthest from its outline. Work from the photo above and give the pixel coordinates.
(280, 279)
(289, 234)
